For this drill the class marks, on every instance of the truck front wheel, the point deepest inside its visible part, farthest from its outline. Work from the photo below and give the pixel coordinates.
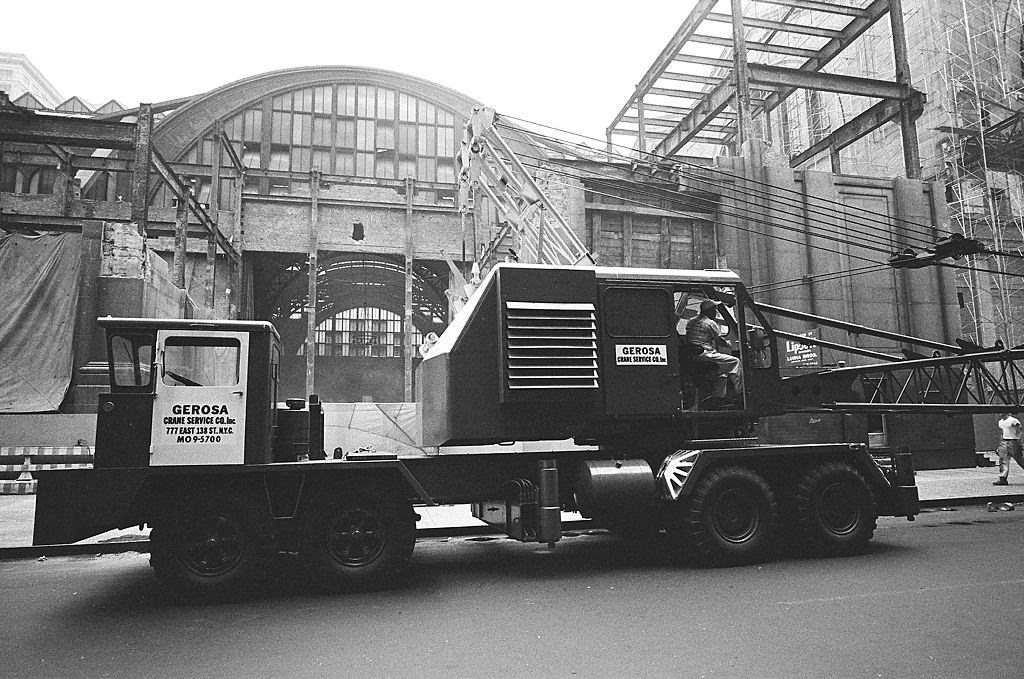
(731, 518)
(208, 547)
(835, 510)
(360, 540)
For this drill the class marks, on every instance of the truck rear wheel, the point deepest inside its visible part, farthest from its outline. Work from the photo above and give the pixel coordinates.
(208, 547)
(358, 541)
(835, 510)
(731, 518)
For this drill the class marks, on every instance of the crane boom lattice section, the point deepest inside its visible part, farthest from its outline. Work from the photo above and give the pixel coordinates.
(529, 224)
(983, 382)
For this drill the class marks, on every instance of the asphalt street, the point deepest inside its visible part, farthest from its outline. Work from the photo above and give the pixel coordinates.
(940, 597)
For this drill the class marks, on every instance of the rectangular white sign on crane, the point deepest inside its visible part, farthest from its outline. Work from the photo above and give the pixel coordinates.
(641, 354)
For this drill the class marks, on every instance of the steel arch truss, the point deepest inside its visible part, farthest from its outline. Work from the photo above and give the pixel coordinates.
(352, 280)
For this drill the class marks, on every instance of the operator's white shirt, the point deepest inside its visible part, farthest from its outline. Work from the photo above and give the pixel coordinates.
(1011, 427)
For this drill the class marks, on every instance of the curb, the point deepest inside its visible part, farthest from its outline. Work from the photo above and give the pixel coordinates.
(966, 501)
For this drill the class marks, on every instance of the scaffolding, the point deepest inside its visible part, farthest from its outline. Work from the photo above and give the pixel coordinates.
(979, 46)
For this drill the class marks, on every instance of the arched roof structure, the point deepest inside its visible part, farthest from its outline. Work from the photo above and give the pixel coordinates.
(340, 120)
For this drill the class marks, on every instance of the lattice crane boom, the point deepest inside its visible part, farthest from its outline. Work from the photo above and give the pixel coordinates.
(532, 226)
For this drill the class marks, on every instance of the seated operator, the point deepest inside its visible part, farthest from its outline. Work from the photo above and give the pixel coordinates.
(704, 332)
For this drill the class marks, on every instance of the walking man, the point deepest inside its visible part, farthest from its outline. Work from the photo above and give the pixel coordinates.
(1009, 447)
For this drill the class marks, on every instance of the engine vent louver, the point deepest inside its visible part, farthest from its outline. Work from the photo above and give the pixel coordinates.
(551, 346)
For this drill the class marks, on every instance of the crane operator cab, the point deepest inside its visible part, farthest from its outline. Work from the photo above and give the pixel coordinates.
(714, 354)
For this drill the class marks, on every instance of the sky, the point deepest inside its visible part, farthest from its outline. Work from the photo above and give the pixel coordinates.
(570, 64)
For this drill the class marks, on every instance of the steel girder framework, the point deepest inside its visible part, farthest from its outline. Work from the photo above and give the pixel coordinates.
(704, 88)
(59, 134)
(984, 382)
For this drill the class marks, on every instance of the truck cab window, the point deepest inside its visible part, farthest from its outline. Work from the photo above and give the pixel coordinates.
(131, 360)
(200, 361)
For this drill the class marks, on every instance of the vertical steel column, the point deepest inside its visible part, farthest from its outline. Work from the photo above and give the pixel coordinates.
(744, 121)
(410, 189)
(641, 124)
(140, 167)
(314, 223)
(908, 125)
(181, 237)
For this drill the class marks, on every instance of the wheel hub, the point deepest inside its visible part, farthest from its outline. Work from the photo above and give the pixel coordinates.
(735, 517)
(839, 510)
(357, 537)
(213, 545)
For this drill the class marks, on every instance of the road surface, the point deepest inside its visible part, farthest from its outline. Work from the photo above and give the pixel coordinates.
(940, 597)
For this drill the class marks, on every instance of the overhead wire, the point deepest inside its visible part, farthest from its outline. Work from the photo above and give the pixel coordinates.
(542, 164)
(821, 276)
(734, 226)
(882, 228)
(825, 230)
(840, 208)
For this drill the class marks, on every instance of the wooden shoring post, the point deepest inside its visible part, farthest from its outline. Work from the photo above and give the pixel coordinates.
(140, 167)
(741, 74)
(235, 273)
(218, 151)
(407, 352)
(211, 273)
(314, 224)
(181, 237)
(908, 121)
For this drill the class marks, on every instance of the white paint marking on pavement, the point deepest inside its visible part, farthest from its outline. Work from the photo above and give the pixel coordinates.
(847, 597)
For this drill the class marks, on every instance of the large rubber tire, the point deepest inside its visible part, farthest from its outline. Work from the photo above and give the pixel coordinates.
(836, 513)
(731, 518)
(208, 547)
(357, 541)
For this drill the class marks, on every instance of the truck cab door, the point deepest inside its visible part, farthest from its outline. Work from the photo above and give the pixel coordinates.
(639, 351)
(199, 402)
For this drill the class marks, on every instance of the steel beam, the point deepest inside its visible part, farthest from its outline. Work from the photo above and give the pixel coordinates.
(817, 6)
(830, 50)
(768, 47)
(181, 192)
(688, 78)
(312, 273)
(717, 62)
(779, 76)
(143, 146)
(779, 26)
(692, 124)
(669, 52)
(161, 107)
(869, 120)
(695, 95)
(28, 127)
(853, 328)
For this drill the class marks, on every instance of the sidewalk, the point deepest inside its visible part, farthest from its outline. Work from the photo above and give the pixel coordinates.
(935, 487)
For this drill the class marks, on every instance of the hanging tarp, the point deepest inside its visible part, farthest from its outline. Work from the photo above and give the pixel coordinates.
(38, 302)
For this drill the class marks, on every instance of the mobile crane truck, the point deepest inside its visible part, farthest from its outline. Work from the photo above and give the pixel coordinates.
(192, 439)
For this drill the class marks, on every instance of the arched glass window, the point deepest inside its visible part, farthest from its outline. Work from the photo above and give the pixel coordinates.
(364, 331)
(341, 129)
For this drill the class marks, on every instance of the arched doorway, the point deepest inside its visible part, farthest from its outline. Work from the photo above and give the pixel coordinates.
(361, 341)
